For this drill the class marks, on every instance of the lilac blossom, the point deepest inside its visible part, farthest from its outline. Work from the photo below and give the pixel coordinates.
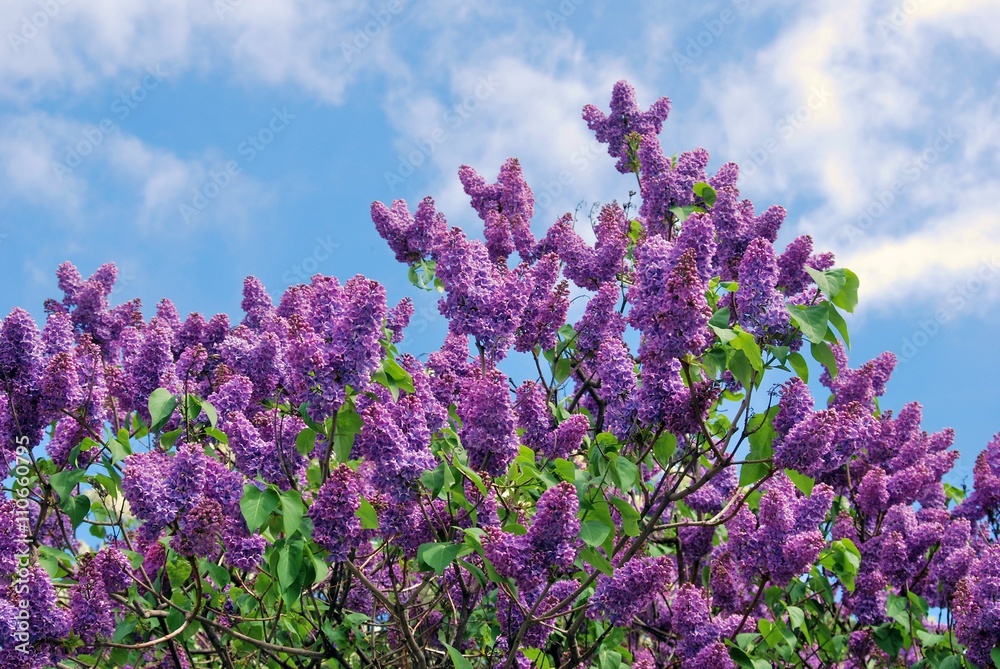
(600, 320)
(506, 208)
(546, 306)
(411, 237)
(395, 438)
(977, 607)
(668, 303)
(398, 318)
(625, 118)
(760, 307)
(630, 590)
(483, 299)
(337, 528)
(488, 424)
(549, 546)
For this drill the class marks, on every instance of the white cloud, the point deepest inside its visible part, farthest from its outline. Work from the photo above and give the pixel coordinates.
(55, 47)
(49, 161)
(839, 106)
(502, 99)
(930, 264)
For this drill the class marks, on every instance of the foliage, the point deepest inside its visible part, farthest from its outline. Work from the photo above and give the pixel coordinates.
(295, 491)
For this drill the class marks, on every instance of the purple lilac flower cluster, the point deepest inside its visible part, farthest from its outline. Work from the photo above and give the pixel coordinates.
(301, 383)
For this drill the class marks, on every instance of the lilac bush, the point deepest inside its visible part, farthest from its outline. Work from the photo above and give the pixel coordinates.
(292, 489)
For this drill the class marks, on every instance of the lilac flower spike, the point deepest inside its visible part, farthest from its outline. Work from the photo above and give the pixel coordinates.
(625, 117)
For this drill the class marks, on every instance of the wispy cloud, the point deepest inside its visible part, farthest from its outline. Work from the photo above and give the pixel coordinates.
(889, 97)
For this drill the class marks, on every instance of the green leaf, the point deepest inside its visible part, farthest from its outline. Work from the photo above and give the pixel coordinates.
(751, 472)
(760, 429)
(796, 618)
(740, 657)
(741, 368)
(630, 517)
(213, 415)
(798, 363)
(217, 434)
(192, 407)
(380, 377)
(66, 481)
(474, 476)
(720, 319)
(725, 334)
(396, 372)
(457, 659)
(888, 638)
(843, 558)
(770, 632)
(822, 353)
(305, 442)
(625, 472)
(847, 297)
(161, 406)
(594, 532)
(705, 192)
(609, 659)
(714, 361)
(565, 469)
(257, 505)
(837, 320)
(598, 561)
(85, 445)
(438, 555)
(168, 439)
(761, 433)
(220, 575)
(801, 481)
(745, 342)
(292, 510)
(563, 368)
(813, 321)
(366, 512)
(995, 656)
(290, 563)
(780, 353)
(683, 212)
(822, 282)
(119, 449)
(954, 493)
(664, 448)
(123, 629)
(349, 423)
(76, 508)
(178, 570)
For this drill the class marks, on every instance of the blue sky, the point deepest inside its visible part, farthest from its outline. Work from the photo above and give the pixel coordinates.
(194, 142)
